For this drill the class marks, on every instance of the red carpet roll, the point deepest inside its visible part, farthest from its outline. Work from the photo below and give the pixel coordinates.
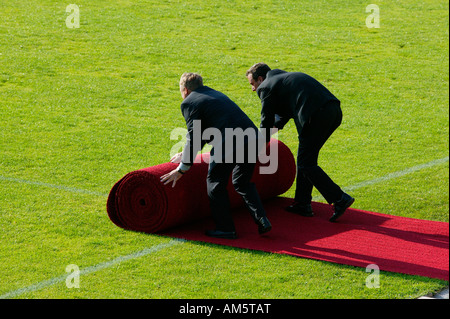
(140, 202)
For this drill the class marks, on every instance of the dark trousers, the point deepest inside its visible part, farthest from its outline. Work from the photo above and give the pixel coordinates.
(217, 181)
(313, 136)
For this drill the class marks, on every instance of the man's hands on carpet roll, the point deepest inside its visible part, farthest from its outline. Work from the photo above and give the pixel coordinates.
(171, 177)
(176, 158)
(175, 175)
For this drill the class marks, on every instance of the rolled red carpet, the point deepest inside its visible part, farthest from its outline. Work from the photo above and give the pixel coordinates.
(140, 202)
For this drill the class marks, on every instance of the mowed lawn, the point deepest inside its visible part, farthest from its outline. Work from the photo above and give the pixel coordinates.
(81, 107)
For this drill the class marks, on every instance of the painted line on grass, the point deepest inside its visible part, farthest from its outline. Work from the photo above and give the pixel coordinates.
(89, 270)
(398, 174)
(392, 175)
(60, 187)
(348, 188)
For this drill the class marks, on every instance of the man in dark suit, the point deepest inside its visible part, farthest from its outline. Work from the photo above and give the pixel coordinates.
(317, 114)
(209, 113)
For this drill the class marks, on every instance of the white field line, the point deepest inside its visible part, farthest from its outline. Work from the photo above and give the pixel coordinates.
(88, 270)
(348, 188)
(393, 175)
(398, 174)
(60, 187)
(53, 281)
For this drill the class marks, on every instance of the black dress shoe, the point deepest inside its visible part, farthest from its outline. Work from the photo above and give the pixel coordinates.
(301, 209)
(263, 225)
(341, 205)
(221, 234)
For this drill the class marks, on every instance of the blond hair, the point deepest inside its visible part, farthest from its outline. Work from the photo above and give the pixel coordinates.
(191, 81)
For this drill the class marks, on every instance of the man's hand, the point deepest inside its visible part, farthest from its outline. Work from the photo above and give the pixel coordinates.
(176, 158)
(172, 176)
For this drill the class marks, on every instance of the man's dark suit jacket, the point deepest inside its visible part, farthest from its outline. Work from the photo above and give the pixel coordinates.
(215, 110)
(290, 95)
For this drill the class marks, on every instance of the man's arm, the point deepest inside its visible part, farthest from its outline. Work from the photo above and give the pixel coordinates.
(267, 112)
(280, 121)
(194, 141)
(193, 145)
(186, 157)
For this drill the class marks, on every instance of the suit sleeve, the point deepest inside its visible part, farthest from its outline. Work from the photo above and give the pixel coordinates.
(267, 112)
(194, 142)
(280, 121)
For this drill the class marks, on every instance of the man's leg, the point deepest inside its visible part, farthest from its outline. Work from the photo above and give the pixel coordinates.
(312, 138)
(217, 181)
(241, 178)
(304, 186)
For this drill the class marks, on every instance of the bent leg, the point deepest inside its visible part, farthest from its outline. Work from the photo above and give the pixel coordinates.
(217, 181)
(241, 179)
(313, 136)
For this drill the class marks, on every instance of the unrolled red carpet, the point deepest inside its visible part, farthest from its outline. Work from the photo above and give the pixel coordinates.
(140, 202)
(359, 238)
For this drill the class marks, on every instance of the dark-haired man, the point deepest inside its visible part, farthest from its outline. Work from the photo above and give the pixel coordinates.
(317, 114)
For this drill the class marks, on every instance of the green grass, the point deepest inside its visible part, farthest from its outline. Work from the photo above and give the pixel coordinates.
(82, 107)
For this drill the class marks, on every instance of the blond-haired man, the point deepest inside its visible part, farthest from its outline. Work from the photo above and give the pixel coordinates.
(207, 110)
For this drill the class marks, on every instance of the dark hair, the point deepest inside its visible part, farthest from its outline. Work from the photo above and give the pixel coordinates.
(257, 70)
